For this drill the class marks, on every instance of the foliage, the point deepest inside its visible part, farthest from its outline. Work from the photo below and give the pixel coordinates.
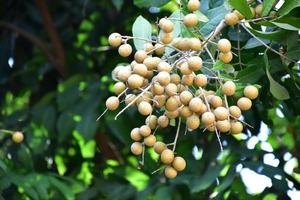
(66, 154)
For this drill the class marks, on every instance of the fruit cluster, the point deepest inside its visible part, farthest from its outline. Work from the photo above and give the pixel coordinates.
(169, 87)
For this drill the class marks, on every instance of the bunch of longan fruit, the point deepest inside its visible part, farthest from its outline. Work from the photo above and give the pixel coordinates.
(165, 87)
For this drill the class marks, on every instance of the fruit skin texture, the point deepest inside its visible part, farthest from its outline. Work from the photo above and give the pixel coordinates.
(140, 56)
(231, 19)
(135, 81)
(258, 10)
(223, 126)
(221, 113)
(159, 49)
(195, 63)
(125, 50)
(240, 16)
(235, 111)
(166, 25)
(225, 57)
(18, 137)
(193, 5)
(229, 88)
(163, 121)
(115, 39)
(236, 127)
(145, 108)
(112, 103)
(150, 140)
(190, 20)
(244, 103)
(159, 147)
(135, 135)
(167, 156)
(170, 172)
(251, 92)
(208, 118)
(119, 87)
(193, 122)
(145, 131)
(179, 163)
(200, 80)
(224, 45)
(136, 148)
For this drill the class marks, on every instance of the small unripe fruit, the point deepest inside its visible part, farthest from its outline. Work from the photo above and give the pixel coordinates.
(135, 81)
(145, 108)
(115, 39)
(140, 56)
(236, 127)
(166, 25)
(251, 92)
(171, 89)
(231, 19)
(223, 126)
(200, 80)
(140, 69)
(224, 45)
(235, 111)
(195, 63)
(136, 148)
(187, 80)
(229, 88)
(159, 49)
(195, 104)
(167, 156)
(166, 38)
(216, 101)
(144, 131)
(208, 118)
(193, 122)
(190, 20)
(163, 121)
(225, 57)
(125, 50)
(112, 103)
(119, 87)
(193, 5)
(195, 44)
(164, 66)
(17, 137)
(135, 135)
(170, 172)
(163, 78)
(240, 16)
(159, 147)
(244, 103)
(175, 78)
(179, 163)
(151, 121)
(258, 10)
(171, 104)
(150, 140)
(221, 113)
(148, 47)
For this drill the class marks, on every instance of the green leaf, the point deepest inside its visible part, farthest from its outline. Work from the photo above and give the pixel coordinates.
(286, 26)
(277, 90)
(163, 193)
(142, 29)
(148, 3)
(278, 35)
(293, 21)
(288, 6)
(65, 190)
(267, 6)
(118, 4)
(242, 7)
(253, 42)
(201, 16)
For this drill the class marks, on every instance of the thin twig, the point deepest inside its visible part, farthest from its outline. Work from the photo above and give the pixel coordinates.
(177, 134)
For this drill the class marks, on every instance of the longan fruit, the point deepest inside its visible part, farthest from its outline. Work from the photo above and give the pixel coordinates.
(224, 45)
(229, 88)
(159, 49)
(240, 16)
(159, 147)
(136, 148)
(244, 103)
(151, 62)
(195, 104)
(112, 103)
(166, 38)
(115, 39)
(193, 122)
(151, 121)
(175, 78)
(193, 5)
(166, 25)
(125, 50)
(179, 163)
(171, 89)
(144, 131)
(164, 66)
(181, 88)
(200, 80)
(223, 126)
(172, 114)
(195, 63)
(135, 81)
(251, 92)
(129, 98)
(167, 156)
(195, 44)
(208, 118)
(150, 140)
(221, 113)
(211, 128)
(185, 112)
(225, 57)
(203, 109)
(185, 97)
(145, 108)
(235, 111)
(170, 172)
(159, 100)
(184, 69)
(190, 20)
(123, 74)
(258, 10)
(171, 104)
(157, 89)
(231, 19)
(119, 87)
(135, 135)
(140, 69)
(163, 78)
(236, 127)
(163, 121)
(17, 137)
(187, 79)
(148, 47)
(140, 56)
(184, 44)
(216, 101)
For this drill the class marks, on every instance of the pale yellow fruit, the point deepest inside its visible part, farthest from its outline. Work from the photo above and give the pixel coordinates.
(135, 81)
(159, 147)
(166, 38)
(171, 89)
(145, 108)
(195, 44)
(136, 148)
(226, 57)
(193, 5)
(195, 104)
(163, 78)
(251, 92)
(223, 126)
(200, 80)
(166, 25)
(171, 104)
(235, 111)
(112, 103)
(236, 127)
(231, 19)
(193, 122)
(140, 56)
(135, 135)
(125, 50)
(159, 49)
(150, 140)
(140, 69)
(144, 130)
(151, 121)
(185, 97)
(216, 101)
(195, 63)
(244, 103)
(163, 121)
(221, 113)
(167, 156)
(17, 137)
(179, 163)
(229, 88)
(187, 79)
(190, 20)
(115, 39)
(185, 112)
(170, 172)
(224, 45)
(208, 118)
(119, 87)
(164, 66)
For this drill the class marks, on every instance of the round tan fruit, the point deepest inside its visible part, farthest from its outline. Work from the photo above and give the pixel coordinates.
(236, 127)
(244, 103)
(216, 101)
(223, 126)
(164, 66)
(166, 38)
(229, 88)
(179, 163)
(195, 44)
(144, 131)
(171, 89)
(187, 80)
(140, 69)
(185, 112)
(163, 78)
(190, 20)
(123, 74)
(125, 50)
(163, 121)
(167, 156)
(175, 78)
(159, 49)
(251, 92)
(135, 135)
(115, 39)
(136, 148)
(195, 63)
(159, 147)
(193, 122)
(145, 108)
(221, 113)
(225, 57)
(166, 25)
(150, 140)
(119, 87)
(151, 121)
(140, 56)
(224, 45)
(17, 137)
(240, 16)
(235, 111)
(231, 19)
(112, 103)
(171, 104)
(170, 172)
(200, 80)
(135, 81)
(195, 104)
(208, 118)
(148, 47)
(193, 5)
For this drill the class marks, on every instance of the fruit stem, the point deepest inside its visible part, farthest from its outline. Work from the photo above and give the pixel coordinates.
(219, 140)
(102, 114)
(177, 134)
(241, 121)
(6, 131)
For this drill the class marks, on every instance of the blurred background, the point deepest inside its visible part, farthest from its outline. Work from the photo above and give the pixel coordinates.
(55, 75)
